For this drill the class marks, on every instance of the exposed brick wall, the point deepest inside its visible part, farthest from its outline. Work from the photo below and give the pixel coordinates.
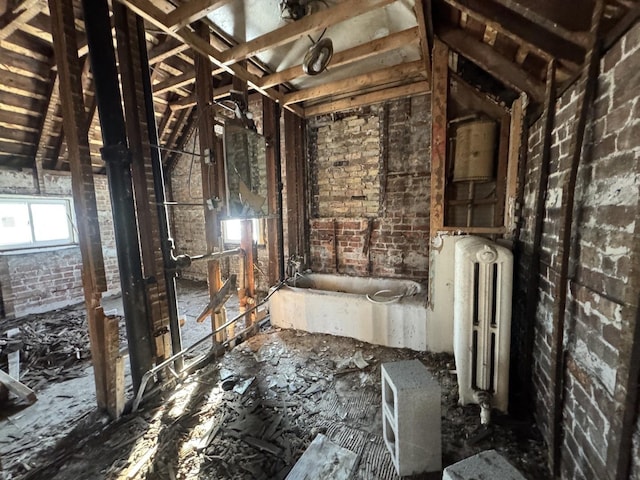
(187, 221)
(46, 279)
(601, 303)
(370, 187)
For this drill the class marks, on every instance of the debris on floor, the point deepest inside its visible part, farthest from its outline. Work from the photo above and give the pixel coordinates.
(292, 386)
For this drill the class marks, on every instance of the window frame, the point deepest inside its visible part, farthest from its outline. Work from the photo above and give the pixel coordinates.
(258, 231)
(30, 200)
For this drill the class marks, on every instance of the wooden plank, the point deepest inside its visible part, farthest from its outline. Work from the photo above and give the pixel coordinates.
(357, 101)
(351, 55)
(114, 363)
(301, 28)
(192, 11)
(219, 299)
(424, 46)
(439, 96)
(190, 101)
(488, 59)
(47, 125)
(314, 461)
(366, 80)
(246, 244)
(18, 388)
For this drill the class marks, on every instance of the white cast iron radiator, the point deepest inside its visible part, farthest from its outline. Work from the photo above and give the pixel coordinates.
(482, 321)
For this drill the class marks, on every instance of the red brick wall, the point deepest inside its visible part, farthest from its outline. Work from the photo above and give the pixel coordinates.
(604, 268)
(45, 279)
(370, 187)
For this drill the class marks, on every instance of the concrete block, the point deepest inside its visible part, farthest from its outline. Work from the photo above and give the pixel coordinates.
(487, 465)
(411, 414)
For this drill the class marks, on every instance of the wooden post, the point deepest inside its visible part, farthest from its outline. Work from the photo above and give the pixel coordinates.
(212, 168)
(271, 131)
(439, 96)
(296, 185)
(246, 244)
(74, 119)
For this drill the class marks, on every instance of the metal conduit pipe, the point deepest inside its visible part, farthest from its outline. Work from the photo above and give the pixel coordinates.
(166, 242)
(117, 163)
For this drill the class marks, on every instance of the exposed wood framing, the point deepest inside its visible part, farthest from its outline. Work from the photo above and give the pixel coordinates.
(212, 168)
(128, 34)
(366, 80)
(439, 96)
(361, 52)
(424, 36)
(74, 116)
(379, 96)
(45, 130)
(501, 170)
(487, 58)
(513, 165)
(307, 25)
(564, 252)
(579, 38)
(295, 178)
(20, 16)
(191, 11)
(246, 244)
(271, 131)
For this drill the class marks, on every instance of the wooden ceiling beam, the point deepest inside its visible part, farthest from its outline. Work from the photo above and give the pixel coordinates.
(366, 80)
(154, 15)
(192, 11)
(366, 50)
(492, 62)
(20, 16)
(577, 38)
(166, 49)
(190, 101)
(307, 25)
(378, 96)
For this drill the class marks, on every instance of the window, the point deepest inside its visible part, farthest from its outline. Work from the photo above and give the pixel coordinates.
(27, 222)
(231, 231)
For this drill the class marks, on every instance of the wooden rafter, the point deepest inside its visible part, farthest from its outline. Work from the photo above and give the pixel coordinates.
(366, 80)
(491, 61)
(305, 26)
(191, 11)
(366, 50)
(19, 17)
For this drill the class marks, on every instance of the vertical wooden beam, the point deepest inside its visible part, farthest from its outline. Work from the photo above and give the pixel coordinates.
(515, 143)
(566, 219)
(271, 131)
(212, 167)
(296, 185)
(246, 244)
(129, 39)
(439, 97)
(46, 126)
(74, 118)
(501, 170)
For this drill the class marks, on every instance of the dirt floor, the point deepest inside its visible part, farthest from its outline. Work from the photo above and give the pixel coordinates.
(249, 415)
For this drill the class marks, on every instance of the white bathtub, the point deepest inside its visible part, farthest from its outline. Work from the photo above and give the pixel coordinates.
(337, 305)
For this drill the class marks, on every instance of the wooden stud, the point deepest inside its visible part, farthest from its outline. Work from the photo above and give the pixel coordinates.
(513, 163)
(271, 131)
(74, 116)
(439, 98)
(424, 36)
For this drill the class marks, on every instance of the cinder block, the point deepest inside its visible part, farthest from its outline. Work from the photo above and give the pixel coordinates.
(411, 417)
(487, 465)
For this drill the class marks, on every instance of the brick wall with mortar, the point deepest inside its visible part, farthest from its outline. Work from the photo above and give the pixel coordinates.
(601, 303)
(40, 280)
(369, 188)
(187, 221)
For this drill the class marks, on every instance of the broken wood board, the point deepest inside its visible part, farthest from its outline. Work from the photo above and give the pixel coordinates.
(324, 459)
(18, 388)
(219, 299)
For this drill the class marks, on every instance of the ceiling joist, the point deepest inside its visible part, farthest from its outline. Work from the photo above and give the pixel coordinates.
(192, 11)
(492, 62)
